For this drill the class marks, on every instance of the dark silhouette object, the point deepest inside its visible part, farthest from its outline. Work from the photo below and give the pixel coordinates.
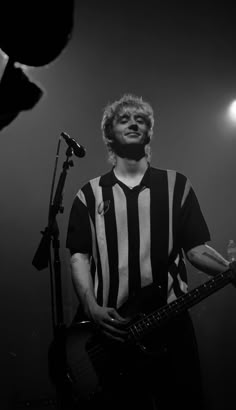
(17, 93)
(32, 34)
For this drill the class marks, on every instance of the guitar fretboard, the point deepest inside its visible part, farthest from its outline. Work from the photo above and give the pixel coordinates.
(157, 318)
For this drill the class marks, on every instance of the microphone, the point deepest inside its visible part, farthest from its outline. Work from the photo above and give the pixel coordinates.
(78, 149)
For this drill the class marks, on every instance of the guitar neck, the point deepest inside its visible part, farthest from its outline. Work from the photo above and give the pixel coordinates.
(157, 318)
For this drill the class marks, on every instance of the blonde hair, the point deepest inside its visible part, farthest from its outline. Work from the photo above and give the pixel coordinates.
(113, 109)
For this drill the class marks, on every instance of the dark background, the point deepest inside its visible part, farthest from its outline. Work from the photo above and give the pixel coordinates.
(181, 58)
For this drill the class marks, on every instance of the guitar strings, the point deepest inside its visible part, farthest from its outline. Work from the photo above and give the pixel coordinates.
(162, 314)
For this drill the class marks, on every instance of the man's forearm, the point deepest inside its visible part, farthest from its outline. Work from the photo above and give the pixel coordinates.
(82, 280)
(207, 259)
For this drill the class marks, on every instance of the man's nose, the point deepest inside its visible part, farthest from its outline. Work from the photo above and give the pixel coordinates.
(133, 126)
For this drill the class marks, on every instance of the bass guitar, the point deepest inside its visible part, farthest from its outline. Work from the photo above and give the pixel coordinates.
(91, 360)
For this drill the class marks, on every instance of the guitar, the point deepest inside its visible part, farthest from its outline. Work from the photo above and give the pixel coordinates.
(92, 361)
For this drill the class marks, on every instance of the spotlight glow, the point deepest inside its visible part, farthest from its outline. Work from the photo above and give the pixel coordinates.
(232, 111)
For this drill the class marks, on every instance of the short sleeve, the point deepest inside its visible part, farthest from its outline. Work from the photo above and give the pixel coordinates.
(194, 229)
(79, 230)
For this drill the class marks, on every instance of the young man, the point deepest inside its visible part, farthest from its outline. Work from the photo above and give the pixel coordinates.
(130, 230)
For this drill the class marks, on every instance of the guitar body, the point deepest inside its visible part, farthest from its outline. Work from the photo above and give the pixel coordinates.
(83, 352)
(95, 363)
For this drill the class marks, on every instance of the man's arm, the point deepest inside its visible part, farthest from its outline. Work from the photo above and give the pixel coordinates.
(207, 259)
(107, 318)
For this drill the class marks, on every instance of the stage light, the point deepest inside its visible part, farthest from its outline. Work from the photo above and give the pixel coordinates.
(232, 111)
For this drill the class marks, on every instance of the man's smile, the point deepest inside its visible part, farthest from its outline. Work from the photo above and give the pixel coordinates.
(136, 134)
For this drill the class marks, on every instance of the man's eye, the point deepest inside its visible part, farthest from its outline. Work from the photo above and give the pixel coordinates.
(123, 119)
(140, 120)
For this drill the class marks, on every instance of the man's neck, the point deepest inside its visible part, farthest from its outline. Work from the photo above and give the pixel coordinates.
(130, 168)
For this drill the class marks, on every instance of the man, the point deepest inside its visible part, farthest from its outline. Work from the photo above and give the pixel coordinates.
(130, 230)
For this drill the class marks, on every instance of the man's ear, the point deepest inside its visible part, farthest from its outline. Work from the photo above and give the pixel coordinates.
(147, 139)
(110, 139)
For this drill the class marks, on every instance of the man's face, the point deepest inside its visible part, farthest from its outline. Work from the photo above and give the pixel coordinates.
(130, 126)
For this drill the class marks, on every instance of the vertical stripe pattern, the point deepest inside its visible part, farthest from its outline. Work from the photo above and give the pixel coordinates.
(145, 237)
(122, 239)
(171, 175)
(134, 234)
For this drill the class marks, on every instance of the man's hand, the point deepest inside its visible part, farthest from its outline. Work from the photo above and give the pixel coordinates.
(109, 322)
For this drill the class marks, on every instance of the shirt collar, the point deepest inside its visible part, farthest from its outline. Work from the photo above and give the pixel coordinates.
(110, 179)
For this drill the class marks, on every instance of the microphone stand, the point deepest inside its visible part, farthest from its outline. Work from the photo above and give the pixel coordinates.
(50, 238)
(42, 257)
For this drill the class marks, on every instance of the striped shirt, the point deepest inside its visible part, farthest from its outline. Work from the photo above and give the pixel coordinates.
(137, 236)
